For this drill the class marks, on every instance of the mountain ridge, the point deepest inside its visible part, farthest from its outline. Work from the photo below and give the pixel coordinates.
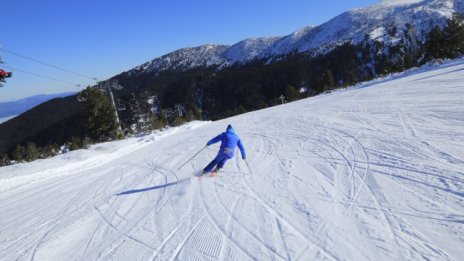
(16, 107)
(376, 21)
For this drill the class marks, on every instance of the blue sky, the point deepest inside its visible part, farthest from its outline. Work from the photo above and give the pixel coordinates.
(101, 38)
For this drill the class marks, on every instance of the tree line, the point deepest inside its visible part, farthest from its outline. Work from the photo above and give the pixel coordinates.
(259, 83)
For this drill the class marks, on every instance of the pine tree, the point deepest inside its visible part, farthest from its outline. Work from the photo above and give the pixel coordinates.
(194, 114)
(179, 121)
(48, 151)
(292, 93)
(157, 123)
(75, 144)
(98, 115)
(327, 80)
(351, 77)
(31, 152)
(447, 42)
(453, 35)
(18, 153)
(434, 46)
(4, 159)
(239, 110)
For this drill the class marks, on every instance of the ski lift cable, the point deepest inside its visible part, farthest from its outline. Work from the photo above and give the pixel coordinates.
(49, 65)
(42, 76)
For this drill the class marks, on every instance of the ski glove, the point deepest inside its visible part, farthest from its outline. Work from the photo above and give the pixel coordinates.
(244, 158)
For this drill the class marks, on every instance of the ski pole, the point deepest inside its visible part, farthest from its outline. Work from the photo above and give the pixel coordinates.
(192, 157)
(248, 167)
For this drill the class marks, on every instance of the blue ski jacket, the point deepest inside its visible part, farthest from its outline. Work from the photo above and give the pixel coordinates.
(229, 140)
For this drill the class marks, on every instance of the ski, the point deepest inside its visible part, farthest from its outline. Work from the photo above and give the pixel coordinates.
(207, 174)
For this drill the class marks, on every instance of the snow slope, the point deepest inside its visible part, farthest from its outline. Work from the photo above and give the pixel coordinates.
(374, 172)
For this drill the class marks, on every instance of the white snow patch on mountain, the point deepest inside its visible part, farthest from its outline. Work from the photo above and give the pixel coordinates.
(205, 55)
(248, 49)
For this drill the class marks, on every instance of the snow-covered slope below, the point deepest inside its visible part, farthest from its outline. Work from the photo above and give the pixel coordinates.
(390, 22)
(373, 172)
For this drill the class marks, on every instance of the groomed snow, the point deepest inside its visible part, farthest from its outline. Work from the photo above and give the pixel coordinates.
(373, 172)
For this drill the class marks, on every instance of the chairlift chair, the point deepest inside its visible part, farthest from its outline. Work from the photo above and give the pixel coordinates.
(7, 75)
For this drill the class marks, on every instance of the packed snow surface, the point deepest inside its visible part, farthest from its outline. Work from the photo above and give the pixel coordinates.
(372, 172)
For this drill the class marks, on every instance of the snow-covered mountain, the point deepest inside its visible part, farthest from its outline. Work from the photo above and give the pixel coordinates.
(372, 172)
(205, 55)
(11, 108)
(249, 49)
(376, 22)
(385, 22)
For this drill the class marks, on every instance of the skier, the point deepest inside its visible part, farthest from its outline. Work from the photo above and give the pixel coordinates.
(229, 140)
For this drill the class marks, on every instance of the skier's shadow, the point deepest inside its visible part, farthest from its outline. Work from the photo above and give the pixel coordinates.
(152, 188)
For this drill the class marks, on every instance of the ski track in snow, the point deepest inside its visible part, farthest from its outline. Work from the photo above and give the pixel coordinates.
(366, 173)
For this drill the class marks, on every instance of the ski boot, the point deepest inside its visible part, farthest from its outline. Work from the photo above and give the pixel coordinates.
(214, 172)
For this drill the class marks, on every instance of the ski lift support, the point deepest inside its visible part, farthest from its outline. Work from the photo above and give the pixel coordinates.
(108, 86)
